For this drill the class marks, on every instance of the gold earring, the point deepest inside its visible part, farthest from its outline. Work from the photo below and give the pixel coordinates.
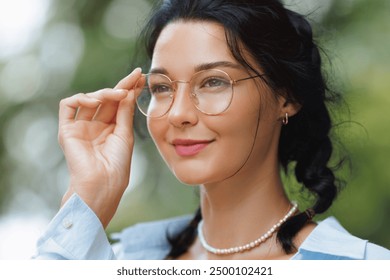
(285, 119)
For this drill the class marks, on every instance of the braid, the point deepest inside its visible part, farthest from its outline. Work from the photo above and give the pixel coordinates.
(306, 139)
(182, 241)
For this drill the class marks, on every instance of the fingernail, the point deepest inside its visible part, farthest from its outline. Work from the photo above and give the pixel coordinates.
(119, 91)
(138, 69)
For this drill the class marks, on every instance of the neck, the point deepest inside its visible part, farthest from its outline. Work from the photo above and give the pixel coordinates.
(242, 208)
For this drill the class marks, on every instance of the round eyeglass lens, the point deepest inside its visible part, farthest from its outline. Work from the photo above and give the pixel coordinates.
(212, 91)
(156, 96)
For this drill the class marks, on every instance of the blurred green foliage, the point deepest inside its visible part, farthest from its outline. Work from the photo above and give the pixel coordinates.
(98, 38)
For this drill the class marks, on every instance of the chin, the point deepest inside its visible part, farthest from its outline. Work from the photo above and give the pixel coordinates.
(197, 177)
(191, 176)
(188, 179)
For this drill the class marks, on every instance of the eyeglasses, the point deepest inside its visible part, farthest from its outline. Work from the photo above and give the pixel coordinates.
(211, 92)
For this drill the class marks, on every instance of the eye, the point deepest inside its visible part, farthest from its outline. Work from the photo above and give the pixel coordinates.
(215, 82)
(160, 89)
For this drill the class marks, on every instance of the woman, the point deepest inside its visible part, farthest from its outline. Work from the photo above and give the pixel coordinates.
(234, 93)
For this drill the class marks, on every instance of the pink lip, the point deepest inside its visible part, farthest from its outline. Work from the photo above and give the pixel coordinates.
(189, 147)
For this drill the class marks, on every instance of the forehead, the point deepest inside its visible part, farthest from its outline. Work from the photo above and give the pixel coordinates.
(182, 45)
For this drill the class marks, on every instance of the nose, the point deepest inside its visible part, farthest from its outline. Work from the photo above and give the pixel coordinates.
(183, 113)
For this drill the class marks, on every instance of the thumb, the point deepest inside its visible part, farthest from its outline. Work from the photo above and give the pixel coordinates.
(125, 116)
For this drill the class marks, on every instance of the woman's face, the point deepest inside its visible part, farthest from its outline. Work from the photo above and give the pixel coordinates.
(200, 148)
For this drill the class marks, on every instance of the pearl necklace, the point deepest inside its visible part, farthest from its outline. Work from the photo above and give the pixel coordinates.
(248, 246)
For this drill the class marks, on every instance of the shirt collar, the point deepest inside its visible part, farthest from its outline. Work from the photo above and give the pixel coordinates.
(330, 238)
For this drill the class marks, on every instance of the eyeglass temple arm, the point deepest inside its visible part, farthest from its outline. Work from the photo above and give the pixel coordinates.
(247, 78)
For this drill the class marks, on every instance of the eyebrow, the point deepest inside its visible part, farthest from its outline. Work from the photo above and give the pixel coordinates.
(201, 67)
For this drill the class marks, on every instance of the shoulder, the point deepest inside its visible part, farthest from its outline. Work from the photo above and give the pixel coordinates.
(148, 240)
(329, 240)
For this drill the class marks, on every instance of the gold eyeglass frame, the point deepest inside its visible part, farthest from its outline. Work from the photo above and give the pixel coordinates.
(173, 82)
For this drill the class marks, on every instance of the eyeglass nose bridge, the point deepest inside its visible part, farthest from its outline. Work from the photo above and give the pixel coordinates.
(175, 87)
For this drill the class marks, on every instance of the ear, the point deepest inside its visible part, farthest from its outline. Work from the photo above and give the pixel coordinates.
(288, 106)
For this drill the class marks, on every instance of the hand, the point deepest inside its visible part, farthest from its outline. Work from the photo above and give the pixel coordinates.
(96, 136)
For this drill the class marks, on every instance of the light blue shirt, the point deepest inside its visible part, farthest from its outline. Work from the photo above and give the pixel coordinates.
(76, 233)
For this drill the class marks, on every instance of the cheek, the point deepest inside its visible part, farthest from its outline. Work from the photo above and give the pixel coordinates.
(236, 135)
(150, 127)
(253, 124)
(156, 128)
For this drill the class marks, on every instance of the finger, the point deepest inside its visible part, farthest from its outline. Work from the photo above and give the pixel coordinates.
(139, 85)
(107, 112)
(124, 117)
(85, 113)
(70, 105)
(110, 99)
(108, 95)
(129, 81)
(125, 114)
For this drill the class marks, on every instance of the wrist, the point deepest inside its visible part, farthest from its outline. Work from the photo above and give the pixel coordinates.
(103, 204)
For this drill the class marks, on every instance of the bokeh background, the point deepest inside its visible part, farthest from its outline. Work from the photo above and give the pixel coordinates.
(50, 49)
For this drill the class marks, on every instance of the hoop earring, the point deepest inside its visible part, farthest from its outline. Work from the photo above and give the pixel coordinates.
(285, 119)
